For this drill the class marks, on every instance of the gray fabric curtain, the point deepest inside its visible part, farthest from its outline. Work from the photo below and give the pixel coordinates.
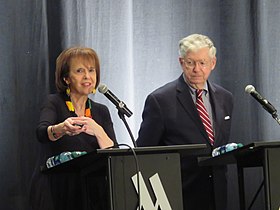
(137, 45)
(24, 81)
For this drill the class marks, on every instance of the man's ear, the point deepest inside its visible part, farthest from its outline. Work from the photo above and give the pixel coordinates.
(181, 60)
(213, 63)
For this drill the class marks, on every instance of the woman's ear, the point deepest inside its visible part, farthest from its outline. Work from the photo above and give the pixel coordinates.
(66, 81)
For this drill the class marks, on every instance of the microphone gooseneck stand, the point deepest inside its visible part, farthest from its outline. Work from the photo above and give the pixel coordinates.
(274, 116)
(121, 114)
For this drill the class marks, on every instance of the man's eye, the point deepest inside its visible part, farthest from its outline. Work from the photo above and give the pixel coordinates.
(189, 62)
(203, 63)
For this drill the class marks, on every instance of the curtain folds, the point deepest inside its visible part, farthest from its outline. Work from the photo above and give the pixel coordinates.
(137, 45)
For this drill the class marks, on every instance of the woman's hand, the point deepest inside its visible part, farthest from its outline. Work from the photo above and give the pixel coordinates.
(85, 124)
(75, 125)
(89, 126)
(72, 126)
(68, 127)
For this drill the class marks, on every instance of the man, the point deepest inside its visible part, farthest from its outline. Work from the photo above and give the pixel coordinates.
(171, 117)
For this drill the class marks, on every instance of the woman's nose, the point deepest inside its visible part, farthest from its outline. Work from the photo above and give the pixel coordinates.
(86, 75)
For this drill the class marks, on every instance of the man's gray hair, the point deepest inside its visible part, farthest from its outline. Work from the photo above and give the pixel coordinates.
(195, 42)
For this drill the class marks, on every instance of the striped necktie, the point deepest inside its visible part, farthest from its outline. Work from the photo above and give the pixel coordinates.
(204, 116)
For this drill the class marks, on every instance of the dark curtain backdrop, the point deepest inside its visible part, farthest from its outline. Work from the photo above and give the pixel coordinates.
(137, 44)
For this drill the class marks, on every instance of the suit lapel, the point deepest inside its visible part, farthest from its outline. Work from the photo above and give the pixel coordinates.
(185, 99)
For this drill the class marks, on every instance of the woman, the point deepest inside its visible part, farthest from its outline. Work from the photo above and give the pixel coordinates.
(70, 121)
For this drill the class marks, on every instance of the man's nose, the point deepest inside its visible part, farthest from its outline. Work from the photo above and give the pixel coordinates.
(196, 66)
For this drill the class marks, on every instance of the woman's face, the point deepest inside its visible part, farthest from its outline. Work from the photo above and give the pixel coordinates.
(82, 76)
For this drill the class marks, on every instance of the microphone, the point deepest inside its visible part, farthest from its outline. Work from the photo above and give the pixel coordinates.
(265, 103)
(114, 99)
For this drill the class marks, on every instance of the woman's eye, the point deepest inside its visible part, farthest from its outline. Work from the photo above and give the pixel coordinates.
(79, 70)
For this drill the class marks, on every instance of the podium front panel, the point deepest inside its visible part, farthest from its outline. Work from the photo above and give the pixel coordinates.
(159, 180)
(273, 178)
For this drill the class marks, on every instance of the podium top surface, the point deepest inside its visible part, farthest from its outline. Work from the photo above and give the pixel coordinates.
(264, 144)
(99, 157)
(249, 155)
(188, 149)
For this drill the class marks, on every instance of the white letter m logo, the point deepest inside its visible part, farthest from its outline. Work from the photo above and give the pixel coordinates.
(145, 198)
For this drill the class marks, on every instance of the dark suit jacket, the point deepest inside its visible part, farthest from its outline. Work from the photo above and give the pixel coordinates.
(171, 118)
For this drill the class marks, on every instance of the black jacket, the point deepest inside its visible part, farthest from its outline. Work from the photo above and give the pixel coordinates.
(171, 118)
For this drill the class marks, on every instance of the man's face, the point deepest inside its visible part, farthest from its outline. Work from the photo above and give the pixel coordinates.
(197, 66)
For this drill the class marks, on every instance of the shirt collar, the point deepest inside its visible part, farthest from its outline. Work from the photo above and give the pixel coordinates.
(193, 89)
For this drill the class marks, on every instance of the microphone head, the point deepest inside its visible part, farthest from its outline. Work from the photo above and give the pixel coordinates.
(102, 88)
(249, 89)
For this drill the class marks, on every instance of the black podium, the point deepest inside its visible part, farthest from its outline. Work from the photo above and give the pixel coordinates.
(258, 154)
(156, 171)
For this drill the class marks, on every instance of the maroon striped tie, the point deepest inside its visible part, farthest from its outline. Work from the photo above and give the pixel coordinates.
(204, 116)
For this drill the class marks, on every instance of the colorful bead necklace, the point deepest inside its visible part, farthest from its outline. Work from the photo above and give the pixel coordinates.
(72, 109)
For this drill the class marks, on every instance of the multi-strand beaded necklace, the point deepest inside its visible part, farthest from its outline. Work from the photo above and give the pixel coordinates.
(72, 109)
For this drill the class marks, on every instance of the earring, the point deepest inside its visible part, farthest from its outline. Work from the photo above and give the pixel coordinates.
(68, 91)
(93, 91)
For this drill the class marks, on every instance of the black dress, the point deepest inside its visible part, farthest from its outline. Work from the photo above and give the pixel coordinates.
(62, 191)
